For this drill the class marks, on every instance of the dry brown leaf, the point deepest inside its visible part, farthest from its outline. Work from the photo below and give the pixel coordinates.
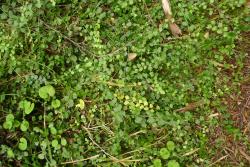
(131, 56)
(175, 30)
(191, 106)
(248, 4)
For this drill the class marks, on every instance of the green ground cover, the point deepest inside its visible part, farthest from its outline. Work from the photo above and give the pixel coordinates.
(69, 94)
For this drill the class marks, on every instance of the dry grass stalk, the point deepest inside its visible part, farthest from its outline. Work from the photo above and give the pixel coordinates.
(247, 157)
(217, 161)
(80, 160)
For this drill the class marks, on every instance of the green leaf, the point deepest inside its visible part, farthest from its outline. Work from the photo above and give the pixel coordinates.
(10, 117)
(41, 156)
(173, 163)
(164, 153)
(53, 130)
(56, 103)
(16, 123)
(10, 153)
(44, 144)
(27, 106)
(81, 104)
(170, 145)
(22, 144)
(63, 142)
(3, 16)
(54, 143)
(7, 125)
(37, 129)
(52, 162)
(157, 163)
(46, 91)
(24, 126)
(242, 2)
(38, 4)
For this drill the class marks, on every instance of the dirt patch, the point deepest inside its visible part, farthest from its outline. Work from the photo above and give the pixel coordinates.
(233, 152)
(240, 110)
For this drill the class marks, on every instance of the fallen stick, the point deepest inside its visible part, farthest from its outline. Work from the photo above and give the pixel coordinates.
(174, 28)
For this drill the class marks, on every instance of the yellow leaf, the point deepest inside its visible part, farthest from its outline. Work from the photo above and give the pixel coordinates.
(206, 35)
(81, 104)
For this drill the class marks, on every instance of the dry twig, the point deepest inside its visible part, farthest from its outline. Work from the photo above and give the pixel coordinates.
(220, 159)
(106, 153)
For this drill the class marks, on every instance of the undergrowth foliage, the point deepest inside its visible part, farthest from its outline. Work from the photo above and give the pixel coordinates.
(69, 94)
